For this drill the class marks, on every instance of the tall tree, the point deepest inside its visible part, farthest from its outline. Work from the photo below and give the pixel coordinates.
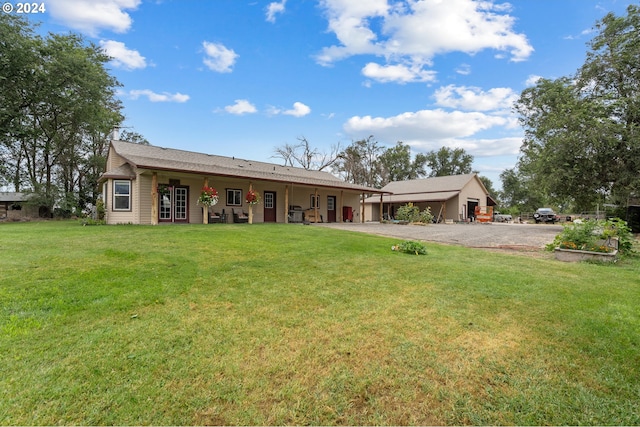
(304, 156)
(359, 163)
(133, 136)
(447, 161)
(581, 133)
(61, 99)
(396, 164)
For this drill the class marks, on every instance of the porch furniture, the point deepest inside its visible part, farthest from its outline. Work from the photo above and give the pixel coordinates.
(310, 216)
(240, 216)
(215, 217)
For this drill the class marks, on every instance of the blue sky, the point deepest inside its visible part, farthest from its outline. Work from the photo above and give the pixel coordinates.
(242, 77)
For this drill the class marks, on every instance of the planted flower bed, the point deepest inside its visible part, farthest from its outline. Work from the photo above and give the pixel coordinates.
(592, 240)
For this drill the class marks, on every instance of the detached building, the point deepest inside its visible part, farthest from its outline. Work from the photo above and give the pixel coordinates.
(452, 197)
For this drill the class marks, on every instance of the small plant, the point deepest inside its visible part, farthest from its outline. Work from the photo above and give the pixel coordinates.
(410, 247)
(100, 210)
(91, 221)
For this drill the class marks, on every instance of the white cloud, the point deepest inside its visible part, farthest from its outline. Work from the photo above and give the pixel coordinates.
(432, 129)
(474, 98)
(464, 69)
(241, 106)
(91, 16)
(397, 73)
(275, 8)
(218, 57)
(158, 97)
(121, 56)
(298, 110)
(414, 32)
(532, 80)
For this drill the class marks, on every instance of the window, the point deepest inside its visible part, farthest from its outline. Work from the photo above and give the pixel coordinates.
(234, 197)
(121, 195)
(268, 200)
(315, 201)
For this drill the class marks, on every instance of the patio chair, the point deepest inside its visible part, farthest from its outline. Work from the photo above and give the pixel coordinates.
(240, 216)
(214, 217)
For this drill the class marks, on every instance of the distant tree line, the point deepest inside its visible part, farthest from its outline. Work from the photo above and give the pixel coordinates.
(367, 162)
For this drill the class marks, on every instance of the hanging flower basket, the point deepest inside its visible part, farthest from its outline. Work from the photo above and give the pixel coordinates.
(253, 198)
(208, 196)
(164, 189)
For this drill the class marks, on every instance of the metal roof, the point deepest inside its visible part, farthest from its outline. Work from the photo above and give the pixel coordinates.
(13, 197)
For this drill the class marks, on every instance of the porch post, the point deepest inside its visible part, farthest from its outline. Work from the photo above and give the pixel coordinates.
(317, 203)
(205, 209)
(381, 206)
(286, 204)
(154, 199)
(340, 208)
(250, 205)
(362, 209)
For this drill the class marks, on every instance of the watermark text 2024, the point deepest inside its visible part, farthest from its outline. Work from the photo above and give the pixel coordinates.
(24, 8)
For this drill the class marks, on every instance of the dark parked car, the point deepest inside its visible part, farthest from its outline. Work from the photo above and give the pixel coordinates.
(545, 215)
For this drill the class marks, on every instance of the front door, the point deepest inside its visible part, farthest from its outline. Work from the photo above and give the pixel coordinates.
(269, 206)
(331, 208)
(174, 205)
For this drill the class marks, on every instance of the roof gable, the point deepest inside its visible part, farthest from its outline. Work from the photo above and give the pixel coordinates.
(430, 185)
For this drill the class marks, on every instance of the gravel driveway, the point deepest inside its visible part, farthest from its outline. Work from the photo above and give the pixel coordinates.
(527, 237)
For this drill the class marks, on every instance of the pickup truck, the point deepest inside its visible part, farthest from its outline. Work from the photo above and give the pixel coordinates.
(498, 217)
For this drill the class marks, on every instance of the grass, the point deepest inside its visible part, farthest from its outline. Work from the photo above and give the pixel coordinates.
(289, 324)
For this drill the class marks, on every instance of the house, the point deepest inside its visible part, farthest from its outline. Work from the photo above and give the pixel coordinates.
(452, 197)
(144, 184)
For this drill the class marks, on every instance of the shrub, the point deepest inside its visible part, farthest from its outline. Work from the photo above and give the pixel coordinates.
(411, 213)
(410, 247)
(408, 212)
(426, 216)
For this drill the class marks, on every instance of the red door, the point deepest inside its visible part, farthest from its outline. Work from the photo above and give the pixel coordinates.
(331, 209)
(269, 206)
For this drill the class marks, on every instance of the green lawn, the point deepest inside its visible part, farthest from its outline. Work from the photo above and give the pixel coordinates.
(290, 324)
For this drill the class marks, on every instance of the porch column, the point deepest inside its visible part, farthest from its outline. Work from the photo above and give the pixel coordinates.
(250, 205)
(286, 204)
(317, 208)
(362, 209)
(341, 206)
(205, 209)
(381, 206)
(154, 199)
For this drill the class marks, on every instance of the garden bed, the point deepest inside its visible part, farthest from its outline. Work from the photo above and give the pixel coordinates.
(572, 255)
